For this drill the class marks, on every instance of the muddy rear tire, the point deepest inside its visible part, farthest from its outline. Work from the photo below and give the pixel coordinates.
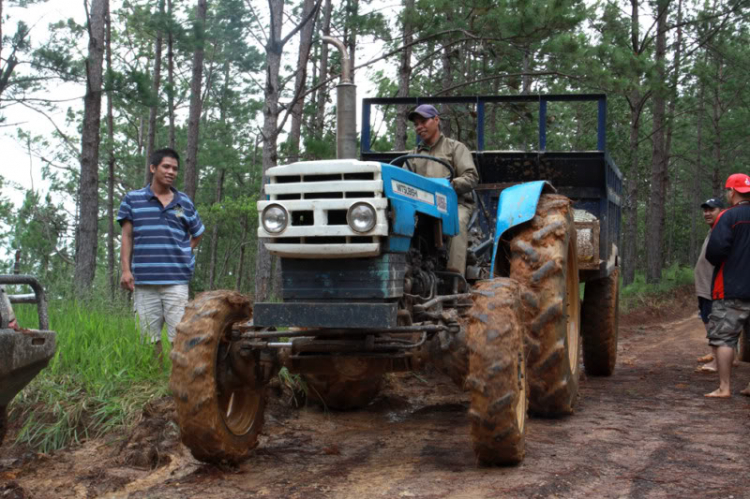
(497, 374)
(744, 346)
(600, 314)
(220, 416)
(341, 393)
(544, 259)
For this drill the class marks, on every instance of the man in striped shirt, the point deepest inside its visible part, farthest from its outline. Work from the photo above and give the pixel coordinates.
(160, 230)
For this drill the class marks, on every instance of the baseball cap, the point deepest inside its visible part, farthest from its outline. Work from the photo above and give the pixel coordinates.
(712, 203)
(425, 111)
(739, 182)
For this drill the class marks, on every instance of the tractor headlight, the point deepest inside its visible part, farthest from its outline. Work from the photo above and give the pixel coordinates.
(361, 217)
(274, 218)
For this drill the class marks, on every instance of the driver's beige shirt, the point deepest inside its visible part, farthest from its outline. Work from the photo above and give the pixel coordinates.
(455, 153)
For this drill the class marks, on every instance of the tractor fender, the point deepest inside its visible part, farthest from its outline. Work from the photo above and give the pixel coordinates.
(517, 205)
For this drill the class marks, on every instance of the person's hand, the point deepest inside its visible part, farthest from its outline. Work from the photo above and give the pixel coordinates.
(127, 281)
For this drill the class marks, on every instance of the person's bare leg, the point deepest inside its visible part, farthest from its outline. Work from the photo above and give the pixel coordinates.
(746, 391)
(724, 357)
(712, 366)
(709, 359)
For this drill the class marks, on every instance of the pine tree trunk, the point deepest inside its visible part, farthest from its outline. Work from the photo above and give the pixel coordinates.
(215, 232)
(241, 259)
(659, 160)
(630, 209)
(274, 49)
(111, 275)
(141, 133)
(527, 61)
(716, 184)
(300, 82)
(404, 76)
(170, 78)
(322, 94)
(154, 109)
(191, 160)
(85, 269)
(446, 83)
(698, 175)
(350, 33)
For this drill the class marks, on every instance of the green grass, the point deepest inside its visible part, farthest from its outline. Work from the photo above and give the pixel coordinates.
(99, 380)
(639, 292)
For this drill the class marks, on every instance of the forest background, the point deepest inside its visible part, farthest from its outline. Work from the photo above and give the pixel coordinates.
(237, 86)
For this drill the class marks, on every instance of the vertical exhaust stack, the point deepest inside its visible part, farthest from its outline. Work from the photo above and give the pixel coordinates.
(346, 106)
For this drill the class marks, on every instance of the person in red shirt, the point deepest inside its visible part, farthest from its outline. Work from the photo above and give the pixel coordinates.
(728, 250)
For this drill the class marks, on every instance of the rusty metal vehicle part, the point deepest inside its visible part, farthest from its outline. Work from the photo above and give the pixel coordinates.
(23, 352)
(342, 391)
(218, 384)
(544, 259)
(497, 373)
(600, 314)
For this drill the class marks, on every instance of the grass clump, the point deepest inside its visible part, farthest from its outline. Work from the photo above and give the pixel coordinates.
(101, 376)
(640, 293)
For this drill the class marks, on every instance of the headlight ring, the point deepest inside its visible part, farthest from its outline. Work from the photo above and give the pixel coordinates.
(274, 218)
(361, 217)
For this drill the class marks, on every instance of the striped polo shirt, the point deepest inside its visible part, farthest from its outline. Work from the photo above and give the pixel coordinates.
(161, 236)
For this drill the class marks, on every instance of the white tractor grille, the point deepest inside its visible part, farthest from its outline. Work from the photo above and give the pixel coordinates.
(317, 196)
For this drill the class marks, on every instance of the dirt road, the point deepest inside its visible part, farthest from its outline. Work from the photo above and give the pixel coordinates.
(646, 432)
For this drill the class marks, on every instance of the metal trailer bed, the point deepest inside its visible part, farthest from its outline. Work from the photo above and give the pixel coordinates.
(590, 178)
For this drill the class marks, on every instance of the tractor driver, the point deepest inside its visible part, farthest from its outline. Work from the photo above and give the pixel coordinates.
(426, 121)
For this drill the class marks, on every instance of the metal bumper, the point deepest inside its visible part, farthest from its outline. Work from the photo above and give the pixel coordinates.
(22, 355)
(325, 315)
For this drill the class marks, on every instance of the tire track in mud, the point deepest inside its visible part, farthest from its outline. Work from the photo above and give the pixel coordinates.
(646, 432)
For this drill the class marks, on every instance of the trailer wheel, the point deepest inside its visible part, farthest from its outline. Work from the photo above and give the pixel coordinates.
(3, 424)
(219, 414)
(600, 314)
(497, 374)
(544, 259)
(744, 346)
(337, 391)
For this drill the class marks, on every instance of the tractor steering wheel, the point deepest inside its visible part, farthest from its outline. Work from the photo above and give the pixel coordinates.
(404, 160)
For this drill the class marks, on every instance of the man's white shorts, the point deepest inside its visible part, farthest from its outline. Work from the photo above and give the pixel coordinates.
(159, 304)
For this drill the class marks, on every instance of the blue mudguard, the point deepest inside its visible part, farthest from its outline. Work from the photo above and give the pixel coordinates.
(410, 193)
(517, 205)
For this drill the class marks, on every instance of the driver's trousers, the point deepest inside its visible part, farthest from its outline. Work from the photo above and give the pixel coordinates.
(459, 243)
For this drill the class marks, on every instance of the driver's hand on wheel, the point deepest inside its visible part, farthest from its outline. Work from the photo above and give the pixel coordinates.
(460, 186)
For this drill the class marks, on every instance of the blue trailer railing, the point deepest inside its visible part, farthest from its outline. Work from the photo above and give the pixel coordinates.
(481, 102)
(590, 178)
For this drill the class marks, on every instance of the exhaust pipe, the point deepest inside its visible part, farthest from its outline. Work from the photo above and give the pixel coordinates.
(346, 106)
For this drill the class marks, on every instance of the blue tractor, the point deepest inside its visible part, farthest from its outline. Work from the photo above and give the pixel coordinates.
(365, 291)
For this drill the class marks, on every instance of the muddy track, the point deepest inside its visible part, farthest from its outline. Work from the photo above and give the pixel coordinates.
(646, 432)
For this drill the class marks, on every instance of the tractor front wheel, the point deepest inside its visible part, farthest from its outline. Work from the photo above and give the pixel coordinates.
(220, 401)
(497, 374)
